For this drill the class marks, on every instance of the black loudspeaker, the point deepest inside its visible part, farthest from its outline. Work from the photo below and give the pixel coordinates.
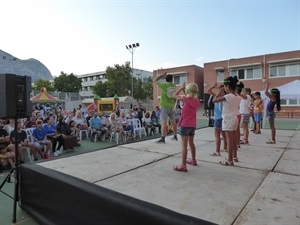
(208, 105)
(15, 96)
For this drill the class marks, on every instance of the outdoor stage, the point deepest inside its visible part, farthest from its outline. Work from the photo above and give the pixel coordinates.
(135, 183)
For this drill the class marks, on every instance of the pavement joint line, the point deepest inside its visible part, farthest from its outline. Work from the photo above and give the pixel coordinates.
(137, 167)
(250, 198)
(279, 158)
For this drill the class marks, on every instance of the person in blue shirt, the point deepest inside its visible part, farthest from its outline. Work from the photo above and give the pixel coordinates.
(40, 138)
(218, 108)
(95, 124)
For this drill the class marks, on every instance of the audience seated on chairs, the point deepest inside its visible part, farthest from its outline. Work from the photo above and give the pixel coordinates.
(6, 156)
(23, 142)
(116, 126)
(95, 125)
(80, 122)
(9, 126)
(105, 125)
(126, 123)
(40, 138)
(6, 141)
(155, 121)
(31, 122)
(53, 136)
(69, 140)
(147, 123)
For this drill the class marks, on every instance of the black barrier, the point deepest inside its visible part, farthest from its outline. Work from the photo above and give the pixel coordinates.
(51, 197)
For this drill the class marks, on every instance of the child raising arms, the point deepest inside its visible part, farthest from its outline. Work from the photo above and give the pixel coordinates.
(274, 96)
(187, 123)
(231, 103)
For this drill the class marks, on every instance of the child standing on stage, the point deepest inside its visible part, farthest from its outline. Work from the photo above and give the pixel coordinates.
(230, 121)
(218, 108)
(274, 96)
(258, 109)
(187, 123)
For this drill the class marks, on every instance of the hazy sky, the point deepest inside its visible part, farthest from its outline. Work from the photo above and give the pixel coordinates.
(87, 36)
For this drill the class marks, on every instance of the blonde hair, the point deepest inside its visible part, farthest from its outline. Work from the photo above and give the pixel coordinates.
(192, 89)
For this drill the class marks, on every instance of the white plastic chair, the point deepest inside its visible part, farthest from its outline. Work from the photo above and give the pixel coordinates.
(30, 138)
(138, 128)
(81, 132)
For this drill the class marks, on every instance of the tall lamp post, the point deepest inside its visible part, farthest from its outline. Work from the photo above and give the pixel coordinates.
(132, 48)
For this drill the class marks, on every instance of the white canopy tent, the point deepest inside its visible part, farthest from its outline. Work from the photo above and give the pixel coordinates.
(288, 91)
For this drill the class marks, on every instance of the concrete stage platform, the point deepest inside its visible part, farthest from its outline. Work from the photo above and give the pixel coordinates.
(263, 188)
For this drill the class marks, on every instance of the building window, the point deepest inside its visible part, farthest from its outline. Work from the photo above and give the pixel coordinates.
(290, 102)
(247, 74)
(285, 70)
(220, 75)
(179, 79)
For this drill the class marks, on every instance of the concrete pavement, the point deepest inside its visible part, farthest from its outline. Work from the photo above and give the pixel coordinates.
(263, 188)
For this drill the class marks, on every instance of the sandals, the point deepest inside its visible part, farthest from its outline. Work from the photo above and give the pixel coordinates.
(225, 162)
(180, 168)
(271, 141)
(224, 150)
(191, 162)
(215, 154)
(235, 159)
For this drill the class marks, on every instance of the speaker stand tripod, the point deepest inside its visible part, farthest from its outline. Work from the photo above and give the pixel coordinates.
(14, 170)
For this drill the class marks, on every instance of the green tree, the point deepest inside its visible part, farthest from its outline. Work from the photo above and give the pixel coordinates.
(100, 89)
(118, 80)
(67, 83)
(39, 83)
(148, 88)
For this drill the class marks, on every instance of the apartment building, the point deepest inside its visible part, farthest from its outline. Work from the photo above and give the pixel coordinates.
(89, 80)
(278, 68)
(188, 74)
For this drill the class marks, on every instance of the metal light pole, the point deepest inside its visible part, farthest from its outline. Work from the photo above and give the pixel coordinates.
(132, 48)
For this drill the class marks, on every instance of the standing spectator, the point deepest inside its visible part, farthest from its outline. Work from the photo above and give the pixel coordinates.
(274, 96)
(188, 123)
(230, 121)
(167, 105)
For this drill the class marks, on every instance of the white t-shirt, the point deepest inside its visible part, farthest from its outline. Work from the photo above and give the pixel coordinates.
(231, 105)
(244, 105)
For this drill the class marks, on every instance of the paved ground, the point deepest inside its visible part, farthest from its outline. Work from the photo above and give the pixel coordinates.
(263, 188)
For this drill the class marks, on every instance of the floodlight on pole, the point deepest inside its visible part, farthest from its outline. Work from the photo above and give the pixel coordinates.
(132, 48)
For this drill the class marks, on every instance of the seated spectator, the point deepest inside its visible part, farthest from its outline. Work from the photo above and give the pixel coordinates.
(127, 126)
(155, 121)
(6, 156)
(95, 125)
(105, 124)
(147, 123)
(31, 122)
(9, 126)
(23, 142)
(80, 121)
(116, 126)
(69, 141)
(40, 138)
(52, 135)
(169, 128)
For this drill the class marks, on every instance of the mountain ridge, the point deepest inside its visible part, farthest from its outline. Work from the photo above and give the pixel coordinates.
(10, 64)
